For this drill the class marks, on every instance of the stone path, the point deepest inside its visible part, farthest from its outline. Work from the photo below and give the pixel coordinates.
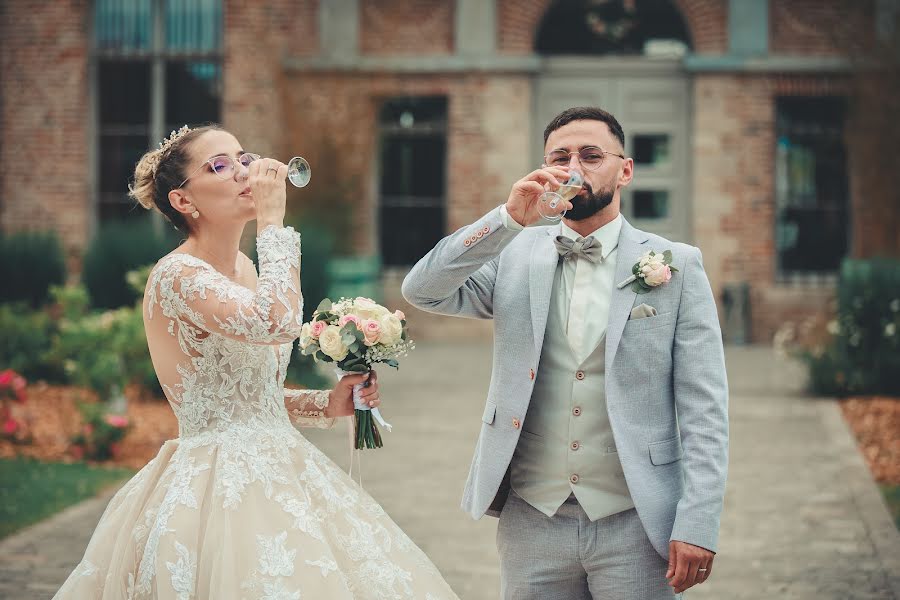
(803, 519)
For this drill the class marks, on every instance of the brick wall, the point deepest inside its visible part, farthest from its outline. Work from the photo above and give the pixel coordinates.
(519, 20)
(813, 27)
(406, 27)
(734, 196)
(43, 115)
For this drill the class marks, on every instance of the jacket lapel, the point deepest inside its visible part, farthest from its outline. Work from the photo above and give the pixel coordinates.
(631, 242)
(542, 268)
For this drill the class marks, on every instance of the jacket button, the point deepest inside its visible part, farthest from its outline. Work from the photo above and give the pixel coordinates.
(467, 243)
(575, 445)
(516, 423)
(579, 375)
(532, 374)
(479, 235)
(576, 411)
(574, 478)
(487, 229)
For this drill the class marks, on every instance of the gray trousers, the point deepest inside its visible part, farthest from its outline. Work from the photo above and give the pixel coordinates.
(569, 557)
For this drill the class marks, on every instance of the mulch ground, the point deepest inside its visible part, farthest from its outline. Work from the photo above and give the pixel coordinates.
(876, 423)
(51, 417)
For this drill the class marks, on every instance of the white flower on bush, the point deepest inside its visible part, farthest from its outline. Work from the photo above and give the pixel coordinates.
(331, 343)
(890, 329)
(391, 329)
(834, 327)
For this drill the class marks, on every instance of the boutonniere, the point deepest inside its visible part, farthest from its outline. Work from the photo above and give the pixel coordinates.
(651, 270)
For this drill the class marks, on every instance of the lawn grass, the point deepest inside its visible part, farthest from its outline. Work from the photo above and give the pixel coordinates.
(892, 499)
(31, 490)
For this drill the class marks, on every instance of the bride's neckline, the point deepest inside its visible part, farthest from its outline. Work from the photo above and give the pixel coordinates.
(208, 264)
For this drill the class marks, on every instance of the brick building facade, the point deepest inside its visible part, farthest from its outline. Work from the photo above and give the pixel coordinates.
(426, 111)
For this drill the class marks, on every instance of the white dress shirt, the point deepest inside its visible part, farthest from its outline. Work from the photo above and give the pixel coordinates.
(584, 287)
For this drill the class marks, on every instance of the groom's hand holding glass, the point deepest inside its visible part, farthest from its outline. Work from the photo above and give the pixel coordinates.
(524, 198)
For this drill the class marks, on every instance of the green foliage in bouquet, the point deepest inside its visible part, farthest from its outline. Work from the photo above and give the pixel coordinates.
(30, 263)
(119, 247)
(862, 354)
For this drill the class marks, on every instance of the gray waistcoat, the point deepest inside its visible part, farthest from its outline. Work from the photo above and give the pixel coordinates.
(566, 445)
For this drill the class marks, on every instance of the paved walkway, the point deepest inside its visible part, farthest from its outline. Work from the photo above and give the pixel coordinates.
(802, 519)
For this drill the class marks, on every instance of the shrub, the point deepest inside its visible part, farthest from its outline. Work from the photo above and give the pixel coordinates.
(862, 352)
(100, 434)
(26, 337)
(30, 262)
(119, 247)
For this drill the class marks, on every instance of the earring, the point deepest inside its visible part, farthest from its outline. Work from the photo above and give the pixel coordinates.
(196, 214)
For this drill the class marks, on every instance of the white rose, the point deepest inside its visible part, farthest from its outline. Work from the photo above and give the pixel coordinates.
(368, 309)
(331, 344)
(305, 336)
(391, 330)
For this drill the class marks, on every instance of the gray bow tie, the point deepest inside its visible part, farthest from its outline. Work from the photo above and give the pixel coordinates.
(588, 248)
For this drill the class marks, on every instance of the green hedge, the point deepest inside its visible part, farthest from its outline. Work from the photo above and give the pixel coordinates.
(863, 356)
(30, 262)
(117, 248)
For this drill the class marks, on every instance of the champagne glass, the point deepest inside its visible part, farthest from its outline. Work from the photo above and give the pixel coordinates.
(299, 172)
(550, 203)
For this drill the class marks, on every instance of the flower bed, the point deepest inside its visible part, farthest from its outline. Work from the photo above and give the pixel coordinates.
(52, 420)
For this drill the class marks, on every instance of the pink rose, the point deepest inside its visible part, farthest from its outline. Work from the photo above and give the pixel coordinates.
(656, 274)
(116, 420)
(350, 319)
(88, 429)
(372, 331)
(317, 328)
(10, 426)
(18, 383)
(399, 314)
(6, 377)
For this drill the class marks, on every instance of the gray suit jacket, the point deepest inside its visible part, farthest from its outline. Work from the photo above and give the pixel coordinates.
(667, 393)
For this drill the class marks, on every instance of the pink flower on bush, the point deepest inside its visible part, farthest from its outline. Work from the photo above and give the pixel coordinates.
(6, 377)
(116, 420)
(77, 451)
(115, 449)
(350, 319)
(317, 328)
(88, 429)
(10, 426)
(372, 331)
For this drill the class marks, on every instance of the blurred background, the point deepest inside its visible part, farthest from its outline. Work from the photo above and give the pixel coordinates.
(763, 131)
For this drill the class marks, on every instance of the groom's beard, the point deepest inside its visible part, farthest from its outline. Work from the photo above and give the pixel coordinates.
(590, 204)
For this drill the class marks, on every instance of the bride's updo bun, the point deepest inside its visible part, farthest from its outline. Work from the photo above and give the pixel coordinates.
(162, 170)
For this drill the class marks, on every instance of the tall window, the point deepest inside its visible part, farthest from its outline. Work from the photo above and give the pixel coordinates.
(158, 66)
(811, 227)
(412, 185)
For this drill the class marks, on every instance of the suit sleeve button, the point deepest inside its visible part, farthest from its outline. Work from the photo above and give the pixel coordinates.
(516, 423)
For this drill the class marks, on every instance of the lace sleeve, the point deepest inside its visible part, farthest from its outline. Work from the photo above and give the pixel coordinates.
(307, 408)
(197, 296)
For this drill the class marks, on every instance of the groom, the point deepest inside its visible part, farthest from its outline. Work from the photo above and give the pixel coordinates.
(604, 441)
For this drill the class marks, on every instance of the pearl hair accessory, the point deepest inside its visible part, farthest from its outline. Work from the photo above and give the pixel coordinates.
(167, 143)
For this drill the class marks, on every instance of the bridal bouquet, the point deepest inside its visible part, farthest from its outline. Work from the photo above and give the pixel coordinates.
(355, 334)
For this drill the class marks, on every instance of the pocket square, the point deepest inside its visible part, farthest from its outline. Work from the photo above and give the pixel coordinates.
(642, 311)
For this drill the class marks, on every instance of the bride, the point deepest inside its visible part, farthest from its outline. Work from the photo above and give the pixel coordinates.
(240, 505)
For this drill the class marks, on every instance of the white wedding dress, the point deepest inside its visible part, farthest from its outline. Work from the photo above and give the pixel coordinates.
(241, 505)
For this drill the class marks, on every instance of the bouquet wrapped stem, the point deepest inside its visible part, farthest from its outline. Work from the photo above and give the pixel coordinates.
(353, 335)
(365, 419)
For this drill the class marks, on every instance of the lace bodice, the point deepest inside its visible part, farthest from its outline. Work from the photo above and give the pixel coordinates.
(221, 350)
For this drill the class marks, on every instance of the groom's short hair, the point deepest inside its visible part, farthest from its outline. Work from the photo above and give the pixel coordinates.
(585, 113)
